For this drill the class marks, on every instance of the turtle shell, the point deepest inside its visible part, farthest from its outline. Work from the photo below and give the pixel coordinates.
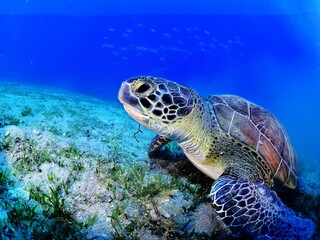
(261, 131)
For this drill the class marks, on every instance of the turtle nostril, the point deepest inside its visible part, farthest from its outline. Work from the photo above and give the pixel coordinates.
(143, 88)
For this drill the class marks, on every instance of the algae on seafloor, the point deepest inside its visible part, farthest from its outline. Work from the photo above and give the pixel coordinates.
(71, 173)
(73, 169)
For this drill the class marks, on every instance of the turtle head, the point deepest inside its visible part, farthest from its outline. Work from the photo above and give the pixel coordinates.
(156, 103)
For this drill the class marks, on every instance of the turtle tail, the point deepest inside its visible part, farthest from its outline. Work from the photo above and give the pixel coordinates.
(252, 210)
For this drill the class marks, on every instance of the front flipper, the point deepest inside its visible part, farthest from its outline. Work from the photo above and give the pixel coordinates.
(252, 210)
(157, 143)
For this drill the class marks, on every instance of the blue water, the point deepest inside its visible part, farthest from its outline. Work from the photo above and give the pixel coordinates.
(265, 51)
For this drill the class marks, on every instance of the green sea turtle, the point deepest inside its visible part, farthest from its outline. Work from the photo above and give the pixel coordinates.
(235, 142)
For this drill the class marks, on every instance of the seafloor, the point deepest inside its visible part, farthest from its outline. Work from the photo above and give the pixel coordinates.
(71, 167)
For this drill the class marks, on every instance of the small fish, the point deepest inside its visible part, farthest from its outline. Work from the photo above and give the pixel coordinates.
(107, 46)
(152, 30)
(129, 30)
(167, 34)
(162, 58)
(105, 37)
(125, 35)
(224, 46)
(175, 29)
(111, 29)
(143, 48)
(173, 48)
(196, 37)
(188, 29)
(239, 43)
(153, 51)
(180, 42)
(206, 32)
(123, 49)
(139, 24)
(204, 50)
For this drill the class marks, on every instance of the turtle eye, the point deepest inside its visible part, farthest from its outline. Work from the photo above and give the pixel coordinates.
(142, 87)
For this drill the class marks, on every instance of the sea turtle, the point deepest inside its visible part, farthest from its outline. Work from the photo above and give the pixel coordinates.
(235, 142)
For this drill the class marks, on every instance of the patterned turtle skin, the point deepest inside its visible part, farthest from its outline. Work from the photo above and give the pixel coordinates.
(235, 142)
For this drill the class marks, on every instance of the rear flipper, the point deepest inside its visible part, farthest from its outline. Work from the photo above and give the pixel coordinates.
(253, 210)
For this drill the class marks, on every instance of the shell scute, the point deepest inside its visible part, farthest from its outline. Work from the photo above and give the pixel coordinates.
(282, 172)
(237, 104)
(244, 130)
(224, 114)
(258, 115)
(216, 99)
(268, 152)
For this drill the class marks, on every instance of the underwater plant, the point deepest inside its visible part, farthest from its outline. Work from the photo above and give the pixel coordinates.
(26, 111)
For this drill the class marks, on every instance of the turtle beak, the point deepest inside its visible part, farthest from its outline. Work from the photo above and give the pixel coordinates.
(125, 95)
(131, 104)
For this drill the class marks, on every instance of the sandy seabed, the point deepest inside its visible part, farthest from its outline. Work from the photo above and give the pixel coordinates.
(74, 158)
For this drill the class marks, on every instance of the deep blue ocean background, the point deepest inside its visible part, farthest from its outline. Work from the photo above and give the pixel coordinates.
(265, 51)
